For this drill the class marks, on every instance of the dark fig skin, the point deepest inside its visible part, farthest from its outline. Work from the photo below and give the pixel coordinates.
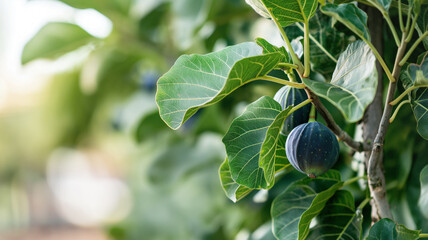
(289, 96)
(312, 148)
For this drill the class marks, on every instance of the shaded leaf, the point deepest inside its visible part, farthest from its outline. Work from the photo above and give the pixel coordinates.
(420, 110)
(338, 219)
(258, 6)
(197, 81)
(53, 40)
(388, 229)
(291, 11)
(149, 125)
(251, 143)
(351, 16)
(234, 191)
(353, 85)
(293, 210)
(419, 73)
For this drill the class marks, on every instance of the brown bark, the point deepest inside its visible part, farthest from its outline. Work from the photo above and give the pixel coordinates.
(373, 114)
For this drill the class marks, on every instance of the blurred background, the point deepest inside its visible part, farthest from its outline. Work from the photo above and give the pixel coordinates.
(83, 152)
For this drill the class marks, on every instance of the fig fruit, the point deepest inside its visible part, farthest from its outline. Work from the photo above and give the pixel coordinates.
(289, 96)
(312, 148)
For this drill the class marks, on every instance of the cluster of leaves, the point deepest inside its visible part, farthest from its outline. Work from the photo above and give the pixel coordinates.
(254, 145)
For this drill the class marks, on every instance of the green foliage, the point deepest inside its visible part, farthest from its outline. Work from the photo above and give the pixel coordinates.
(388, 229)
(293, 210)
(234, 191)
(197, 81)
(353, 85)
(251, 143)
(351, 16)
(339, 219)
(292, 11)
(54, 40)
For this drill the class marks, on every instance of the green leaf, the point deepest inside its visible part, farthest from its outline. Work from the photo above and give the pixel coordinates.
(353, 85)
(149, 126)
(234, 191)
(291, 11)
(197, 81)
(251, 143)
(388, 229)
(338, 219)
(351, 16)
(419, 73)
(53, 40)
(420, 110)
(259, 7)
(269, 48)
(423, 198)
(293, 210)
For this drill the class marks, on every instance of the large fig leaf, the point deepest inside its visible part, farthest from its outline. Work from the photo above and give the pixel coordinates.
(388, 229)
(353, 85)
(338, 219)
(423, 198)
(251, 143)
(351, 16)
(291, 11)
(293, 210)
(234, 191)
(54, 40)
(197, 81)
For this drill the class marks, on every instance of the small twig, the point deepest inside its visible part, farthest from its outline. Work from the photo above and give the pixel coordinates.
(423, 235)
(409, 53)
(318, 44)
(352, 180)
(412, 28)
(287, 65)
(306, 48)
(405, 94)
(342, 135)
(397, 110)
(400, 16)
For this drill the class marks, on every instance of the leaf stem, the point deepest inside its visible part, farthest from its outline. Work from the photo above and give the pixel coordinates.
(405, 93)
(312, 114)
(302, 104)
(307, 53)
(352, 180)
(397, 109)
(288, 65)
(287, 41)
(381, 61)
(400, 16)
(423, 235)
(409, 17)
(363, 203)
(412, 28)
(391, 26)
(409, 53)
(282, 81)
(318, 44)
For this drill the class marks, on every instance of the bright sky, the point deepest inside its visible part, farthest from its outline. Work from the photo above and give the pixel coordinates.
(19, 21)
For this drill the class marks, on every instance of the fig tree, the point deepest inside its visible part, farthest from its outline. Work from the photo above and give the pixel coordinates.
(312, 148)
(289, 96)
